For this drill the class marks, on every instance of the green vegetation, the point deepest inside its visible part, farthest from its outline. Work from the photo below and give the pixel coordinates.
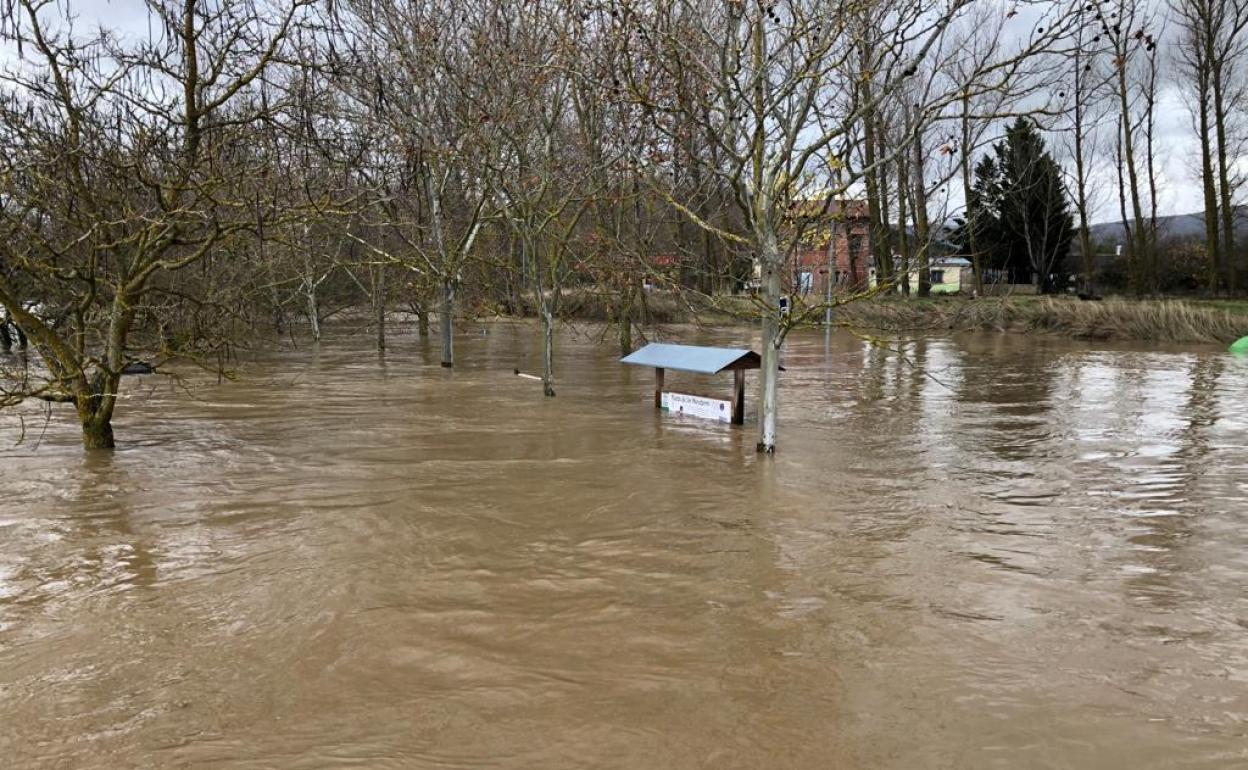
(1019, 221)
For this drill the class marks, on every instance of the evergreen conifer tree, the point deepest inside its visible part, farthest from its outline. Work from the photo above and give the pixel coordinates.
(1020, 211)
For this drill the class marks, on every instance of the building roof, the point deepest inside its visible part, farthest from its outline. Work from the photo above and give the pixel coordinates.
(693, 358)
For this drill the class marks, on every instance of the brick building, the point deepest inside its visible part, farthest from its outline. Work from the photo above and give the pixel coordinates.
(841, 227)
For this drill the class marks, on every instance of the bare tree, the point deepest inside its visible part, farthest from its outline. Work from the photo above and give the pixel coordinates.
(776, 90)
(125, 162)
(1211, 47)
(545, 174)
(420, 77)
(1126, 25)
(1090, 89)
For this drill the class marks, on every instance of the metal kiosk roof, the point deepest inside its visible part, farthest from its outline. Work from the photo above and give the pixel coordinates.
(699, 360)
(693, 358)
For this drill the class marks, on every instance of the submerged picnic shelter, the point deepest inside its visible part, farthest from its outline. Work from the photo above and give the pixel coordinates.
(699, 360)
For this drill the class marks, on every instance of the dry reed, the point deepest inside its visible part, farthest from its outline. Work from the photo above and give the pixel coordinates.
(1155, 320)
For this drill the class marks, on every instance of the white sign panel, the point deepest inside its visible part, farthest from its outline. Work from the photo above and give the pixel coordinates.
(698, 406)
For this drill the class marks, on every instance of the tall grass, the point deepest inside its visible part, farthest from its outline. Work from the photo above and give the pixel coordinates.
(1157, 320)
(1152, 320)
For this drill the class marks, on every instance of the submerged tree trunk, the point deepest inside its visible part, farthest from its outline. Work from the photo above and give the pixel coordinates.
(447, 322)
(275, 300)
(625, 321)
(379, 305)
(422, 319)
(314, 311)
(95, 400)
(548, 352)
(771, 263)
(97, 433)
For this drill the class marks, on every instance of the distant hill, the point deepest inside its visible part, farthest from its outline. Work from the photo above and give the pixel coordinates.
(1177, 226)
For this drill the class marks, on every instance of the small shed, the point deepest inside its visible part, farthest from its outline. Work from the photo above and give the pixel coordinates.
(699, 360)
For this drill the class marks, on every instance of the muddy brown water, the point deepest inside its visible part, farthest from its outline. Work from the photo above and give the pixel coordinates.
(995, 552)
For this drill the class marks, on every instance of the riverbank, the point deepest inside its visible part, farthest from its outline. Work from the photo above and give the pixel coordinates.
(1177, 321)
(1160, 320)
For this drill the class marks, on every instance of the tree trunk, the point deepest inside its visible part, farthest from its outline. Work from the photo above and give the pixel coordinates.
(625, 322)
(771, 264)
(548, 352)
(902, 239)
(977, 267)
(1082, 94)
(422, 320)
(874, 177)
(1122, 201)
(1208, 182)
(626, 336)
(446, 317)
(314, 312)
(279, 316)
(1226, 209)
(922, 227)
(94, 403)
(515, 277)
(1150, 156)
(97, 434)
(379, 306)
(1137, 239)
(883, 247)
(6, 339)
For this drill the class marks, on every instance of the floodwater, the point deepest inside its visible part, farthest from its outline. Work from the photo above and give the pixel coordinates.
(980, 552)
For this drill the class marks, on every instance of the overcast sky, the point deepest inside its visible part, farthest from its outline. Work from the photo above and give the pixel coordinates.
(1178, 153)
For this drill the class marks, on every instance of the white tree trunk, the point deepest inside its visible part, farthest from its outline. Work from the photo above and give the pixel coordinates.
(448, 323)
(314, 312)
(379, 306)
(770, 369)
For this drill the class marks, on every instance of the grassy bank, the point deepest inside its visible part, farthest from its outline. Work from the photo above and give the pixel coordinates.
(1178, 321)
(1156, 320)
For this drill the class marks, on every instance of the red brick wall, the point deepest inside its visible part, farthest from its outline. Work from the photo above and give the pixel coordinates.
(851, 259)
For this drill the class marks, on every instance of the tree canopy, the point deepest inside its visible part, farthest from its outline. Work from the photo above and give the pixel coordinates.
(1018, 213)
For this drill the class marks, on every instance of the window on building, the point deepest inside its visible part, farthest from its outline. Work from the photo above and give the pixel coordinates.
(938, 276)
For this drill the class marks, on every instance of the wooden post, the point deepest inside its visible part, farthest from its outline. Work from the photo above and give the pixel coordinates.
(738, 396)
(658, 387)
